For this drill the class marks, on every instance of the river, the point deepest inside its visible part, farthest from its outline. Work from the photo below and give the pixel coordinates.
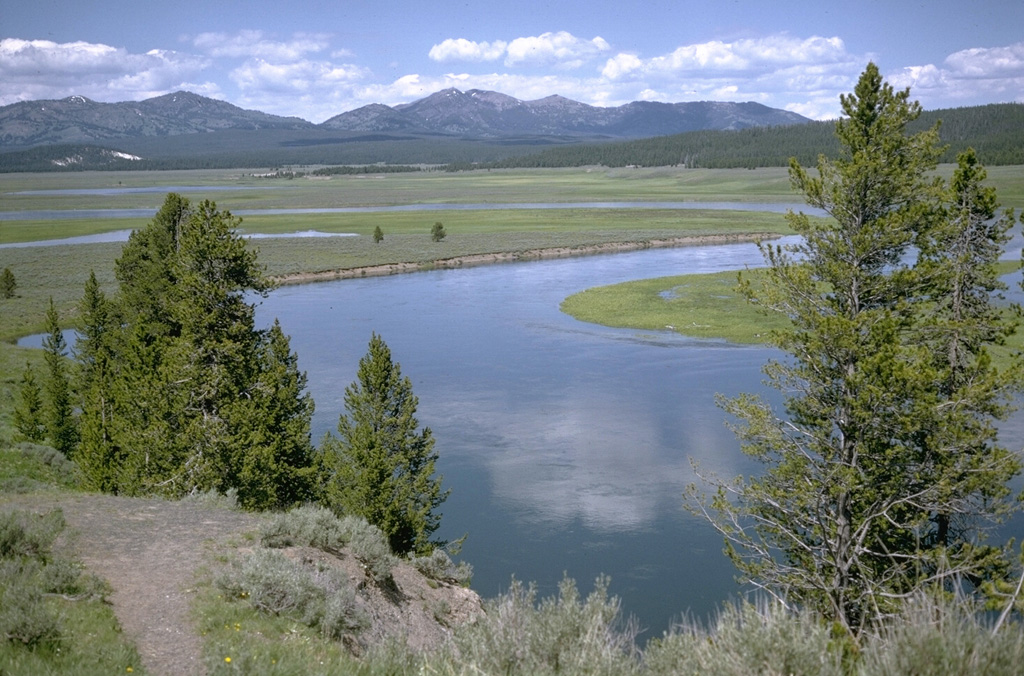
(567, 446)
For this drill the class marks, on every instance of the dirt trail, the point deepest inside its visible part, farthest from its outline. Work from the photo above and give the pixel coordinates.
(149, 550)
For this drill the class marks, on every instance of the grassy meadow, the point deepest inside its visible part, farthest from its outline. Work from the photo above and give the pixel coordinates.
(708, 306)
(569, 634)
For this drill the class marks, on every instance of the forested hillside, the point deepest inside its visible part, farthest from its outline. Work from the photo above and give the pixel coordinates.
(995, 131)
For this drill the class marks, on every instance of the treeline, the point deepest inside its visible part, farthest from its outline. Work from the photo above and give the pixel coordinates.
(343, 171)
(234, 150)
(996, 132)
(174, 391)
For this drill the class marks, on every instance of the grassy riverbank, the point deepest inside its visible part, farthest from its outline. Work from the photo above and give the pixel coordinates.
(570, 633)
(60, 271)
(241, 190)
(706, 306)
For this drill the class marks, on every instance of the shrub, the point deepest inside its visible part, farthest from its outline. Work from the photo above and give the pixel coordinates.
(277, 585)
(748, 639)
(7, 284)
(438, 566)
(25, 617)
(49, 456)
(27, 574)
(369, 545)
(560, 635)
(437, 232)
(213, 499)
(949, 639)
(27, 535)
(308, 526)
(318, 527)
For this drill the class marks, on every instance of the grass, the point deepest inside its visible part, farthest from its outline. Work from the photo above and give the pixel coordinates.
(565, 634)
(60, 271)
(702, 306)
(705, 306)
(53, 617)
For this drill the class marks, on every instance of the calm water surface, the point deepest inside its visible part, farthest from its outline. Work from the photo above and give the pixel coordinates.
(567, 446)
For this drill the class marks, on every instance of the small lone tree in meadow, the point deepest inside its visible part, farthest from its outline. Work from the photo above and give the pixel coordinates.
(437, 232)
(379, 466)
(378, 235)
(7, 284)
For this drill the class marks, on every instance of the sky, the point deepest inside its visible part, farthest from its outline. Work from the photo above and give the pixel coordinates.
(316, 59)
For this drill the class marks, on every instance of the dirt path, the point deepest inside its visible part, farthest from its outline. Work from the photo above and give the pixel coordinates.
(149, 551)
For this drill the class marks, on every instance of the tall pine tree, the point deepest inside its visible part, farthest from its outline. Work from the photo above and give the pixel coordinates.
(28, 413)
(869, 459)
(179, 387)
(94, 356)
(380, 466)
(61, 426)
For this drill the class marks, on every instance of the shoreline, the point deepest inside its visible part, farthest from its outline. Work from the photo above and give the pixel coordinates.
(472, 260)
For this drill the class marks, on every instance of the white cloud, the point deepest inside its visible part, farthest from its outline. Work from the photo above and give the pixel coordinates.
(988, 63)
(41, 69)
(253, 44)
(461, 49)
(778, 70)
(313, 90)
(748, 57)
(967, 77)
(561, 48)
(621, 65)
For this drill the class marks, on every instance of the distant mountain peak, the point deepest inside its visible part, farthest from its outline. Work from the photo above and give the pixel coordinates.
(477, 113)
(489, 114)
(79, 120)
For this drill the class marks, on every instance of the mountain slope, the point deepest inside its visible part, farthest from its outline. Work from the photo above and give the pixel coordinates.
(475, 114)
(491, 114)
(77, 119)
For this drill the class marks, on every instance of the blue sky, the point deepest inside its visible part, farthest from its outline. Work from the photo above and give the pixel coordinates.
(316, 59)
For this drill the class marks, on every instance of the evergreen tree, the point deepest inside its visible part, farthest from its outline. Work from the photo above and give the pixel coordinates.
(272, 465)
(190, 398)
(437, 232)
(93, 353)
(60, 419)
(378, 235)
(958, 263)
(863, 462)
(379, 466)
(7, 284)
(28, 414)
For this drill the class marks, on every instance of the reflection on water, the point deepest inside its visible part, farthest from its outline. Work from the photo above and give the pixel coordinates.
(567, 446)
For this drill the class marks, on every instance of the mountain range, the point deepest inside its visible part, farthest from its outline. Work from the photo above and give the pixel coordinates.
(450, 113)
